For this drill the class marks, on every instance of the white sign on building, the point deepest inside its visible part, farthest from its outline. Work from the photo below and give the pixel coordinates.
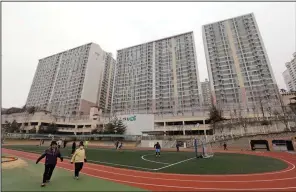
(136, 123)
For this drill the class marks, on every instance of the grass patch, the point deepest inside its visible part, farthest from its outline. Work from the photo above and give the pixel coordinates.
(221, 163)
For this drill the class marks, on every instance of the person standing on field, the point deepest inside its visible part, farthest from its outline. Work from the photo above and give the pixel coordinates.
(78, 159)
(157, 149)
(177, 146)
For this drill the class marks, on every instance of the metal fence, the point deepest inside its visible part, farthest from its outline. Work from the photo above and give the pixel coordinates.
(78, 137)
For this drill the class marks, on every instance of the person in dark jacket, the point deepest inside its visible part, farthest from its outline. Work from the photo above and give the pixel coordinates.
(157, 149)
(116, 144)
(73, 147)
(51, 156)
(65, 143)
(177, 146)
(225, 146)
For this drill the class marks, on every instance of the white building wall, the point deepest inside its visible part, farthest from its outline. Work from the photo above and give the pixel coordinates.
(288, 80)
(68, 83)
(136, 123)
(93, 74)
(291, 74)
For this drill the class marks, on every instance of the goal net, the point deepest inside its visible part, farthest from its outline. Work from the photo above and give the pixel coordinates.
(203, 149)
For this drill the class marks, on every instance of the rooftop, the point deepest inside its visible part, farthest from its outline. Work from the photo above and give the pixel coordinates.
(157, 40)
(228, 19)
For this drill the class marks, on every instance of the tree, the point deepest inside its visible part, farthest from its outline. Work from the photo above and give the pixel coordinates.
(283, 118)
(115, 126)
(243, 121)
(33, 130)
(4, 131)
(12, 127)
(215, 116)
(50, 129)
(109, 128)
(31, 110)
(97, 130)
(292, 106)
(121, 128)
(24, 108)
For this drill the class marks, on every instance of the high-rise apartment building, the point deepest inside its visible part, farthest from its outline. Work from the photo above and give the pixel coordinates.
(238, 66)
(206, 93)
(290, 74)
(72, 81)
(159, 77)
(288, 80)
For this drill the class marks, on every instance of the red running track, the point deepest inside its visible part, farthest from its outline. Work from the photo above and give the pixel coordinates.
(272, 181)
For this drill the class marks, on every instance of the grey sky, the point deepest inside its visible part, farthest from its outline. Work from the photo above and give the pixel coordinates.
(31, 31)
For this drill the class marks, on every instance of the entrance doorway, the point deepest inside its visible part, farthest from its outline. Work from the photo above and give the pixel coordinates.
(259, 145)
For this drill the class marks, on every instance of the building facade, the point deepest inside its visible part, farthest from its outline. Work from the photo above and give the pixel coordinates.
(159, 77)
(71, 82)
(206, 93)
(290, 74)
(238, 66)
(288, 80)
(106, 89)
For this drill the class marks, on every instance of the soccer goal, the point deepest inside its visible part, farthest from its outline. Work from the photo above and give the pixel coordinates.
(202, 149)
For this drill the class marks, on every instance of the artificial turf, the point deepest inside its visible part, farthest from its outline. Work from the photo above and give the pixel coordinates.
(29, 179)
(221, 163)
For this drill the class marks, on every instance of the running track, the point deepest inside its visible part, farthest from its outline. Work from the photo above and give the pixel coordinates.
(284, 180)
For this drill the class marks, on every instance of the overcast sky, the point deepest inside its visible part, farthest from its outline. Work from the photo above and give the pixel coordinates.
(31, 31)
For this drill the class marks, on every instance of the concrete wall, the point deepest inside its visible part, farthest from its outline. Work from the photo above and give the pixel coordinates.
(95, 66)
(136, 123)
(151, 143)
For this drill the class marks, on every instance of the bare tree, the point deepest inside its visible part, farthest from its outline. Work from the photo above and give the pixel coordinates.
(283, 115)
(282, 118)
(243, 121)
(215, 116)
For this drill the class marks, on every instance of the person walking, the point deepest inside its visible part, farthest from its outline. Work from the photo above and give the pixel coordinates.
(78, 159)
(85, 144)
(51, 156)
(225, 146)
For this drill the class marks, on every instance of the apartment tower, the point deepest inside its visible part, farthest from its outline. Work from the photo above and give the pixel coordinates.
(206, 93)
(238, 66)
(70, 82)
(290, 74)
(159, 77)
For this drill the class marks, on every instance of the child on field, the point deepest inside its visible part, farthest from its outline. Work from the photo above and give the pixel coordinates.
(78, 159)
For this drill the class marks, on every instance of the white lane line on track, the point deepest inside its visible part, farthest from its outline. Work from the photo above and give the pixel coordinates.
(179, 187)
(186, 180)
(143, 157)
(231, 175)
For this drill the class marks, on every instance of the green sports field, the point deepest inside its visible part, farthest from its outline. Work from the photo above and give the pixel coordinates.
(174, 162)
(29, 179)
